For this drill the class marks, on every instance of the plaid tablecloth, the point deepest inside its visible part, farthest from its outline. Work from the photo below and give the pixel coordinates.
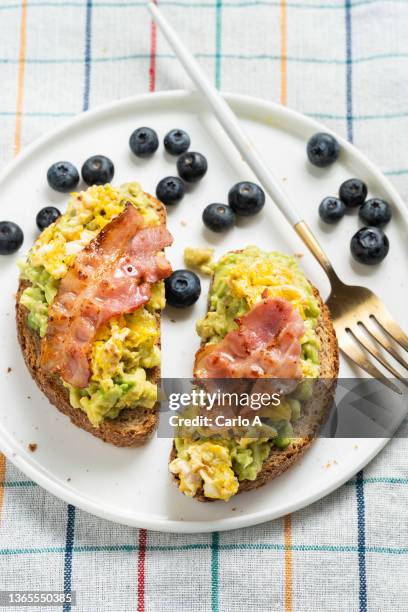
(344, 62)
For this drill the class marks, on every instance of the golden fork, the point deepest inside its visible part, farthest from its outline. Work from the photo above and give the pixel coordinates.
(355, 310)
(360, 319)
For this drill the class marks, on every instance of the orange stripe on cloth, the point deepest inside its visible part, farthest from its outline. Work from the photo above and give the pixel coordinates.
(287, 521)
(283, 34)
(20, 78)
(288, 592)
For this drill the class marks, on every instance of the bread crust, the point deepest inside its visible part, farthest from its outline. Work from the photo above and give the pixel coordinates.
(132, 427)
(314, 411)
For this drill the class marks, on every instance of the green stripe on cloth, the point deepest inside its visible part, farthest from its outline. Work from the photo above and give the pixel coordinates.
(215, 540)
(387, 550)
(218, 43)
(218, 55)
(193, 5)
(319, 116)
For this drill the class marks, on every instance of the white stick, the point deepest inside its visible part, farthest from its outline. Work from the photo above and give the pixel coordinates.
(227, 118)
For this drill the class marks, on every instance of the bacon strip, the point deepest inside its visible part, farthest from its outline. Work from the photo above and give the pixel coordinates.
(266, 345)
(111, 276)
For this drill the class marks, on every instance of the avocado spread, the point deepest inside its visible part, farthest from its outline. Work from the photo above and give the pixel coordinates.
(199, 259)
(241, 280)
(127, 347)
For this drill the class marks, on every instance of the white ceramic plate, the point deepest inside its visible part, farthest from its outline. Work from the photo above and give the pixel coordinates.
(132, 486)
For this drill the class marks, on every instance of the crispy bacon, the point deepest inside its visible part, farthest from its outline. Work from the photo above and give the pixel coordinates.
(111, 276)
(265, 345)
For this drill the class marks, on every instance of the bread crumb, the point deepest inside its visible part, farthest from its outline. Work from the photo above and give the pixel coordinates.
(32, 447)
(28, 396)
(233, 509)
(68, 480)
(329, 464)
(183, 223)
(284, 179)
(8, 370)
(355, 446)
(298, 255)
(173, 320)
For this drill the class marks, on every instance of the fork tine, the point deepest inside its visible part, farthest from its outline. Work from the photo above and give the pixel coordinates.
(391, 327)
(374, 352)
(352, 350)
(384, 342)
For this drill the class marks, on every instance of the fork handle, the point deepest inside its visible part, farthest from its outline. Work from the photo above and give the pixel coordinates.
(306, 234)
(226, 117)
(232, 127)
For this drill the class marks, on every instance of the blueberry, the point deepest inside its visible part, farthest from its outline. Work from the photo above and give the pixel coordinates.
(143, 142)
(46, 216)
(353, 192)
(62, 176)
(369, 245)
(246, 199)
(322, 149)
(176, 142)
(170, 190)
(375, 212)
(331, 210)
(11, 237)
(98, 170)
(183, 288)
(218, 217)
(191, 166)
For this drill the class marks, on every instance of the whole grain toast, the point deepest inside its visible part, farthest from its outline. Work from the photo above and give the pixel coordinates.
(132, 427)
(314, 411)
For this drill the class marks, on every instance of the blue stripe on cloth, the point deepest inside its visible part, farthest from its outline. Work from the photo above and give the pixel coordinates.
(88, 54)
(361, 542)
(349, 72)
(69, 544)
(360, 475)
(11, 484)
(215, 541)
(70, 534)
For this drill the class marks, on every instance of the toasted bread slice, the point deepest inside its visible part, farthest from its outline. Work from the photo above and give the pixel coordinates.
(133, 426)
(314, 412)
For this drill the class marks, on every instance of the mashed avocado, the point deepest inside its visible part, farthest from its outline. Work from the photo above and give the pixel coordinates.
(199, 259)
(127, 347)
(241, 280)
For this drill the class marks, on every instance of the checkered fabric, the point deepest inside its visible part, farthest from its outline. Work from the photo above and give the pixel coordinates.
(344, 62)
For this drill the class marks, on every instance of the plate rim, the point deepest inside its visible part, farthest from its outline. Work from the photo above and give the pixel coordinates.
(46, 480)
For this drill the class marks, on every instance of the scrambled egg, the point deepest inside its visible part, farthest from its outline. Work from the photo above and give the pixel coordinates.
(87, 214)
(208, 465)
(127, 346)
